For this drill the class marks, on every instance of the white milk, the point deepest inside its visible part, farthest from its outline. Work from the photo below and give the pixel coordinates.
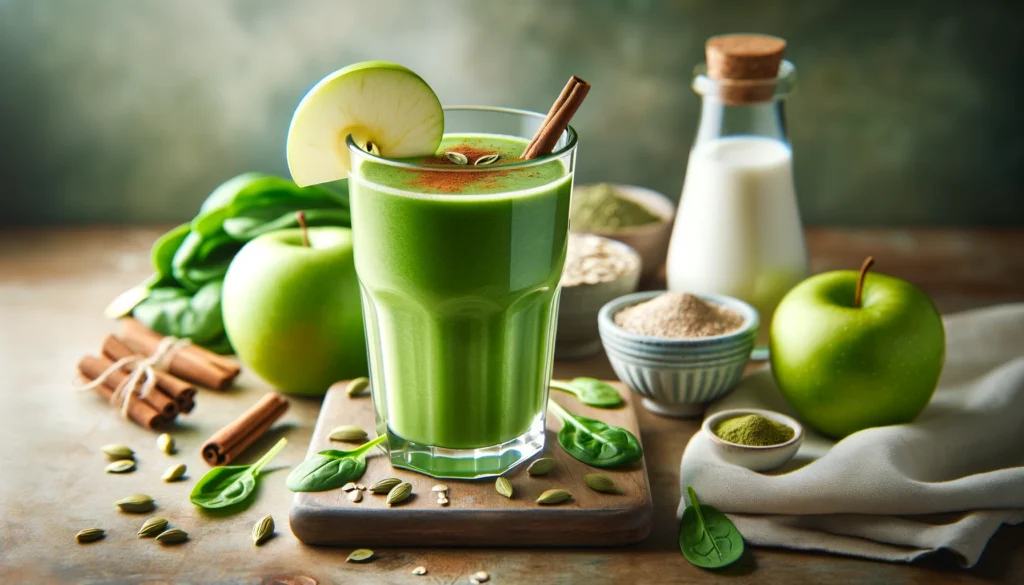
(738, 229)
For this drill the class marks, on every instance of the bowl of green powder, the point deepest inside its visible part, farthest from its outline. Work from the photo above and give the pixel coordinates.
(760, 440)
(636, 216)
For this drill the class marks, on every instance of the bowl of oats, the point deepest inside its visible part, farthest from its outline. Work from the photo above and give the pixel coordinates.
(597, 270)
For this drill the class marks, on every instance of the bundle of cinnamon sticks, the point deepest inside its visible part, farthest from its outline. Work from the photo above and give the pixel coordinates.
(187, 366)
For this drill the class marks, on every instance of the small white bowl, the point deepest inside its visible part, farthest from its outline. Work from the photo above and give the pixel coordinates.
(754, 458)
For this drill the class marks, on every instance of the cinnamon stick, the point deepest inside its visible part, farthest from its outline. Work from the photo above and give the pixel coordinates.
(181, 391)
(558, 118)
(192, 363)
(92, 367)
(139, 411)
(229, 442)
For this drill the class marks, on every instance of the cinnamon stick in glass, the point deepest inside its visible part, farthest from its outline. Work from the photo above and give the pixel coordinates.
(229, 442)
(139, 411)
(558, 118)
(192, 363)
(181, 391)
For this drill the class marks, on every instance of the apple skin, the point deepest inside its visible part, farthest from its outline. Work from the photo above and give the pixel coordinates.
(844, 369)
(293, 313)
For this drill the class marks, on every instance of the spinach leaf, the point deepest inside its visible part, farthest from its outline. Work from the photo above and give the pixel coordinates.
(196, 316)
(590, 391)
(594, 442)
(707, 537)
(222, 487)
(331, 468)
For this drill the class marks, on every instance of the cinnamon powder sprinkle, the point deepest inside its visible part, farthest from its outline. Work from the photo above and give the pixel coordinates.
(456, 182)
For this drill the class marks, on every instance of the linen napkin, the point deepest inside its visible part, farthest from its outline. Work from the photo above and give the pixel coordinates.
(945, 481)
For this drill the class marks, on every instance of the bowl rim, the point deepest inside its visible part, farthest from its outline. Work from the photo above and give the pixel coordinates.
(636, 270)
(639, 194)
(710, 422)
(605, 317)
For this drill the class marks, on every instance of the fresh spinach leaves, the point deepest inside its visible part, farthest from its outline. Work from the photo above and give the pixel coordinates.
(590, 391)
(707, 537)
(594, 442)
(331, 468)
(222, 487)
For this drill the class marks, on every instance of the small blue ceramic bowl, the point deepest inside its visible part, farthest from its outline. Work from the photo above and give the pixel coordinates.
(678, 377)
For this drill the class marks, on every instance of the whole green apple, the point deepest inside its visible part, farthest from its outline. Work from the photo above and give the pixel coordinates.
(292, 312)
(853, 351)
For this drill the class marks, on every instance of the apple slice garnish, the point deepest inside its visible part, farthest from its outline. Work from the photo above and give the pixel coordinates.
(388, 110)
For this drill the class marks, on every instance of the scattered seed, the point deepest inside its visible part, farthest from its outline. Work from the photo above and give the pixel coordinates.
(457, 158)
(360, 555)
(360, 487)
(89, 535)
(174, 472)
(116, 452)
(172, 536)
(166, 444)
(399, 493)
(439, 488)
(263, 530)
(486, 160)
(357, 386)
(552, 497)
(355, 496)
(152, 527)
(504, 487)
(384, 486)
(443, 501)
(419, 571)
(121, 466)
(135, 504)
(348, 487)
(348, 434)
(480, 577)
(602, 483)
(541, 466)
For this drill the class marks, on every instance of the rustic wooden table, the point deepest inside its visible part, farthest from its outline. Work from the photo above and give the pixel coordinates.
(53, 287)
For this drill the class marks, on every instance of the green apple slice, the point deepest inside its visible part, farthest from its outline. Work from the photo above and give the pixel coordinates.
(376, 102)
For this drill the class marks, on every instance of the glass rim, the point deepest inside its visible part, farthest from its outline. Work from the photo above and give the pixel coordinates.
(569, 146)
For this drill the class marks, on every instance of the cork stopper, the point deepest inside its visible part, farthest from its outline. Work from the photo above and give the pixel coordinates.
(745, 64)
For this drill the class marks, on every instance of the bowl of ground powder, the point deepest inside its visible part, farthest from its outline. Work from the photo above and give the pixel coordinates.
(678, 350)
(760, 440)
(596, 271)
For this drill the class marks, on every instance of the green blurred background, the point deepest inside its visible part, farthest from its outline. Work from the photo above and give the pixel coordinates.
(131, 111)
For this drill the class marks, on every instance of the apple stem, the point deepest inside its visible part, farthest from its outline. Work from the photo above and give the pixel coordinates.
(301, 217)
(860, 280)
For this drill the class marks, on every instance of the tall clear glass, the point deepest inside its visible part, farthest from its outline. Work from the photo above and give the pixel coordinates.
(459, 277)
(738, 229)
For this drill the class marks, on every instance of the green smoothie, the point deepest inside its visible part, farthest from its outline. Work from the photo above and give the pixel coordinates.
(459, 274)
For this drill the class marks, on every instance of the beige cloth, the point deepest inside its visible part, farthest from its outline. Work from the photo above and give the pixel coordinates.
(946, 481)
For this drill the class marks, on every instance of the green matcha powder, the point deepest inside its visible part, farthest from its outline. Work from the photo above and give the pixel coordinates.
(753, 430)
(602, 207)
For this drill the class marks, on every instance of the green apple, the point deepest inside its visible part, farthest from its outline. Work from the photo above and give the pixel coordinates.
(388, 110)
(292, 311)
(853, 351)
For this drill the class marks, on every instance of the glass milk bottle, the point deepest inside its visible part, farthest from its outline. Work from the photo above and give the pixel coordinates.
(738, 231)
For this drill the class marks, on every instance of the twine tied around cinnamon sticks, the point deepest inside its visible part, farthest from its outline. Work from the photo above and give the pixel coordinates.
(143, 369)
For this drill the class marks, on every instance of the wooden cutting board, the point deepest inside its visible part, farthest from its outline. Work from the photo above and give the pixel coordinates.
(477, 515)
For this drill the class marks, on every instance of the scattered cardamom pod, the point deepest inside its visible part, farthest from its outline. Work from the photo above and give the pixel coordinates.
(541, 466)
(348, 434)
(263, 530)
(115, 452)
(384, 486)
(602, 483)
(135, 504)
(152, 527)
(121, 466)
(504, 487)
(174, 472)
(480, 577)
(457, 158)
(166, 444)
(419, 571)
(552, 497)
(89, 535)
(486, 160)
(360, 555)
(355, 496)
(357, 387)
(399, 493)
(172, 536)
